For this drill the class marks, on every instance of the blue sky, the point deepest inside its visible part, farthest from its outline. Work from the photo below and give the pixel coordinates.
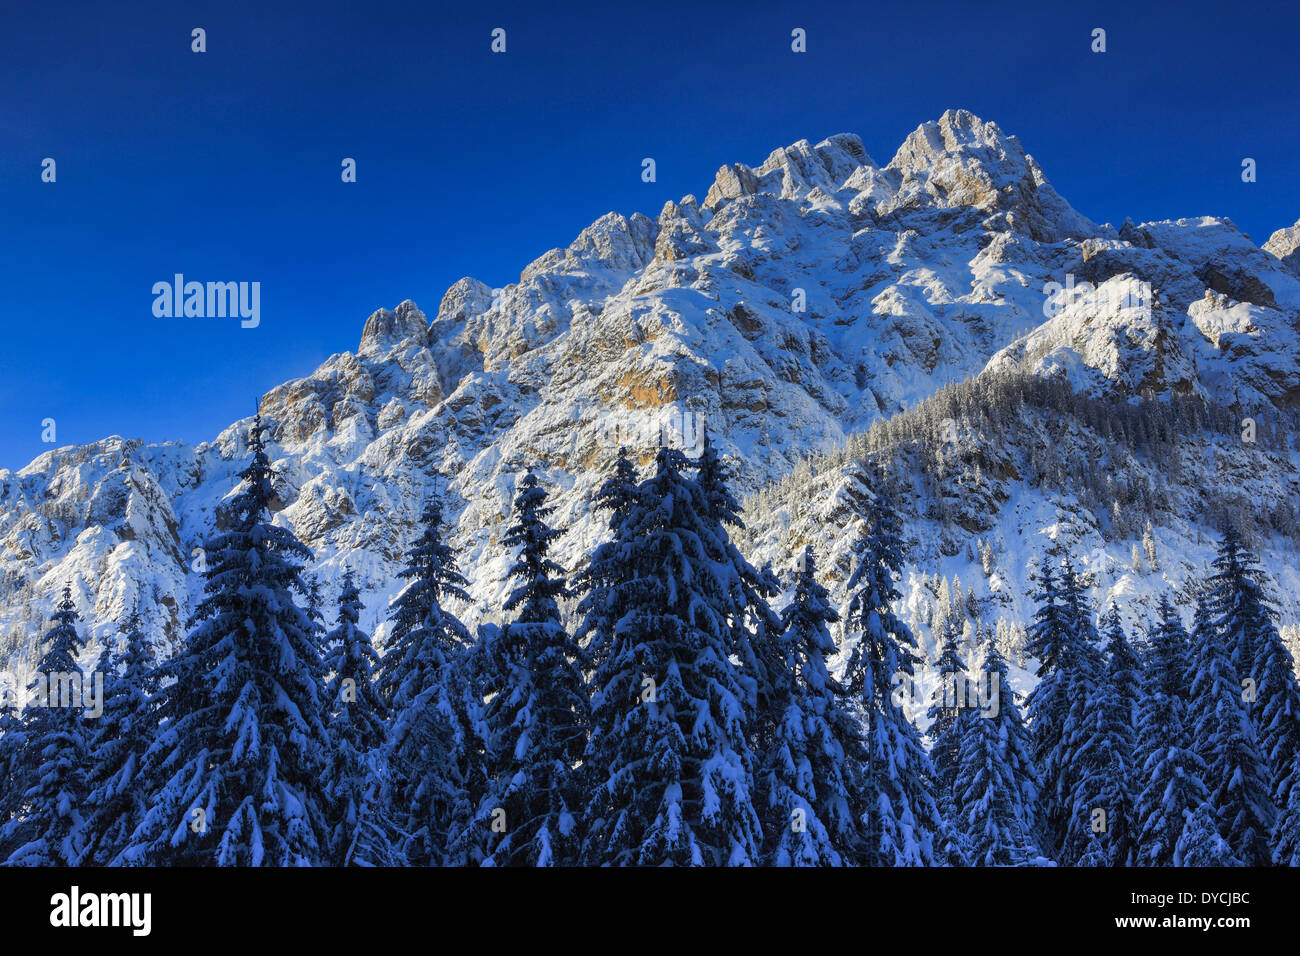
(225, 166)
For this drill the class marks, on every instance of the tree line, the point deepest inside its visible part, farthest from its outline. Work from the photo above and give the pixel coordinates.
(689, 717)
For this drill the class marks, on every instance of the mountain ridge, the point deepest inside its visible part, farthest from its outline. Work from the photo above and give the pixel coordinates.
(801, 302)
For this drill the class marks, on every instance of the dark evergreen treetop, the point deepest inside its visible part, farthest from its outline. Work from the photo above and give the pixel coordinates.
(995, 799)
(670, 761)
(1246, 617)
(753, 633)
(237, 761)
(537, 721)
(900, 821)
(1170, 774)
(57, 744)
(1236, 774)
(121, 738)
(360, 832)
(432, 578)
(356, 710)
(806, 781)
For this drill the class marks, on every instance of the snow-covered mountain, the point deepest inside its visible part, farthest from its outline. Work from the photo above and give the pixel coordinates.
(801, 302)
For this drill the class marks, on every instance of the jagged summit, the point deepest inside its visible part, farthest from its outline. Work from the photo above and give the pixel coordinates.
(795, 171)
(961, 160)
(1285, 244)
(385, 328)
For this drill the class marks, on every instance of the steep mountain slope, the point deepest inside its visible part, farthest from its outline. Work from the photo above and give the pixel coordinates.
(800, 302)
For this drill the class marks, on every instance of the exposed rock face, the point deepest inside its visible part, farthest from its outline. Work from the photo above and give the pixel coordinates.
(801, 301)
(384, 329)
(1285, 244)
(962, 161)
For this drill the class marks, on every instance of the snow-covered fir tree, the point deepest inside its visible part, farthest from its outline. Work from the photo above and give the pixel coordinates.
(57, 746)
(15, 775)
(1237, 601)
(1224, 737)
(435, 734)
(1094, 853)
(358, 824)
(432, 577)
(899, 821)
(235, 769)
(1286, 834)
(606, 565)
(806, 782)
(618, 494)
(1098, 750)
(1170, 775)
(537, 721)
(1123, 666)
(948, 714)
(1247, 619)
(753, 633)
(1054, 639)
(1201, 844)
(996, 793)
(1123, 682)
(671, 770)
(1149, 546)
(116, 804)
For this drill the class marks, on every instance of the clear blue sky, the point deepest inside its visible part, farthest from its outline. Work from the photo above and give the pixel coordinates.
(225, 165)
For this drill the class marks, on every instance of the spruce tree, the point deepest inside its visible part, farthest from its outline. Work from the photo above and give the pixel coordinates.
(1170, 773)
(1094, 853)
(1123, 666)
(116, 804)
(1237, 601)
(1225, 739)
(618, 494)
(472, 675)
(358, 825)
(671, 770)
(1054, 639)
(1201, 844)
(432, 747)
(805, 780)
(537, 721)
(606, 566)
(57, 746)
(1099, 774)
(754, 632)
(15, 777)
(995, 802)
(900, 824)
(948, 715)
(432, 578)
(1247, 618)
(1115, 717)
(1286, 835)
(1080, 765)
(235, 768)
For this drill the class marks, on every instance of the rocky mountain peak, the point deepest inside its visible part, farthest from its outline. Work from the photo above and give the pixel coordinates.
(386, 328)
(802, 301)
(1285, 244)
(794, 171)
(962, 161)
